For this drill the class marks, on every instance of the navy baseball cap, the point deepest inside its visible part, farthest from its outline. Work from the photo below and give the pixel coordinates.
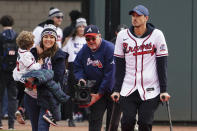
(140, 10)
(91, 30)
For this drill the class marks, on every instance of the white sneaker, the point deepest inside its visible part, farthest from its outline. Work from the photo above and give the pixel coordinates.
(11, 129)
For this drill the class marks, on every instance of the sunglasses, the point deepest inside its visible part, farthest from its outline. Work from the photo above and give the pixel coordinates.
(58, 17)
(88, 39)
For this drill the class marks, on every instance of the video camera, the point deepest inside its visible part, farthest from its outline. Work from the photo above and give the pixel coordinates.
(82, 93)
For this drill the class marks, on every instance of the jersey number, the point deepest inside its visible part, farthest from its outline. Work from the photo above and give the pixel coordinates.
(17, 65)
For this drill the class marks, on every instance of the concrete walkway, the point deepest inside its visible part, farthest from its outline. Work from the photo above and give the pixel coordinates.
(83, 126)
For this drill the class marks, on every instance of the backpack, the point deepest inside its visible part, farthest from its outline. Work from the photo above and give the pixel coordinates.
(8, 62)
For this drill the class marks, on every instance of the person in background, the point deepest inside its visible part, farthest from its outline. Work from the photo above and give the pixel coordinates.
(5, 105)
(69, 30)
(119, 28)
(73, 46)
(8, 54)
(67, 33)
(115, 120)
(55, 17)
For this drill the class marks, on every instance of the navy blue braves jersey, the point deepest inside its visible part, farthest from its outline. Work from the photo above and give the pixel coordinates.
(98, 65)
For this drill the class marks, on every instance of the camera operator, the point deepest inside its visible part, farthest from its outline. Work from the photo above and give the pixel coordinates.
(72, 47)
(95, 61)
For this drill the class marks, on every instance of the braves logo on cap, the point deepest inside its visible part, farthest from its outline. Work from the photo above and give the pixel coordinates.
(89, 30)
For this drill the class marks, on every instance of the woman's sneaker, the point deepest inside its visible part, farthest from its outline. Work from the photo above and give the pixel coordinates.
(49, 118)
(20, 116)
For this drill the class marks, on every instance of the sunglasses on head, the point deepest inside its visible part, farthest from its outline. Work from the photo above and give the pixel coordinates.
(88, 39)
(58, 17)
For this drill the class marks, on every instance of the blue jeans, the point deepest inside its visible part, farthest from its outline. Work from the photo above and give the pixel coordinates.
(35, 113)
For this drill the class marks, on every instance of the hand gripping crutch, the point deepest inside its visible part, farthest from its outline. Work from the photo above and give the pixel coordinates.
(115, 116)
(169, 113)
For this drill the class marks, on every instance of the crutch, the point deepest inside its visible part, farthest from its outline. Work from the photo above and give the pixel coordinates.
(115, 116)
(169, 113)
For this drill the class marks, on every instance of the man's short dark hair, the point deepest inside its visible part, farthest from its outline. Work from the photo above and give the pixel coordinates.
(7, 20)
(74, 14)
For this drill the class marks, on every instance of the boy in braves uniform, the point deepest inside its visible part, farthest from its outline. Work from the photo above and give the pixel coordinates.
(24, 64)
(95, 61)
(141, 71)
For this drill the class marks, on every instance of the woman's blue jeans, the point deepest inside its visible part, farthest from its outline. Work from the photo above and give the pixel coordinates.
(35, 114)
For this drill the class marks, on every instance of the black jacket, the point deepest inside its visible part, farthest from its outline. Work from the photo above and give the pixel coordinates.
(46, 98)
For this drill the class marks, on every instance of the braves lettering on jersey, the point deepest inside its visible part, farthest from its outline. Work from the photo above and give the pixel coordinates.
(98, 66)
(140, 56)
(96, 63)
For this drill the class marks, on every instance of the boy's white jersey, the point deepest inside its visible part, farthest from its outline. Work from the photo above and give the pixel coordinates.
(140, 56)
(25, 63)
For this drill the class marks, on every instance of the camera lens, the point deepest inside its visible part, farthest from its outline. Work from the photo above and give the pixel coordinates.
(83, 94)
